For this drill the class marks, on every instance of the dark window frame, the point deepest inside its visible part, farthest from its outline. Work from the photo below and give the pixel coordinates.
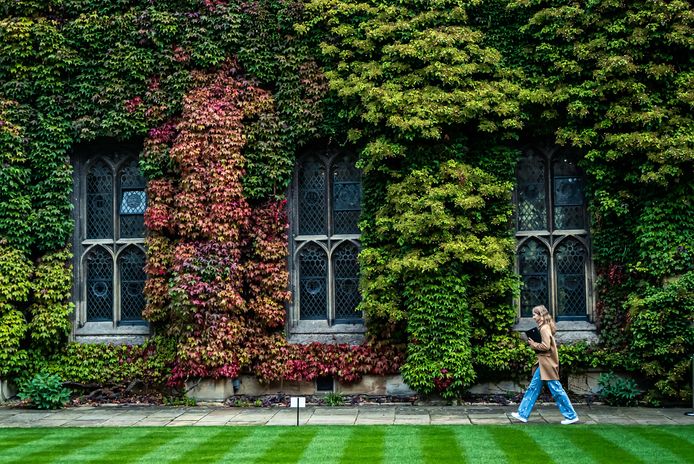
(323, 238)
(117, 158)
(553, 239)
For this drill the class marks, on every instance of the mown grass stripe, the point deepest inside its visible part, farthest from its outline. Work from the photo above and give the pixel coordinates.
(439, 444)
(290, 445)
(402, 445)
(160, 438)
(669, 443)
(517, 445)
(209, 447)
(19, 437)
(685, 432)
(478, 444)
(557, 445)
(256, 442)
(646, 451)
(104, 449)
(127, 446)
(44, 451)
(590, 440)
(365, 444)
(327, 445)
(169, 443)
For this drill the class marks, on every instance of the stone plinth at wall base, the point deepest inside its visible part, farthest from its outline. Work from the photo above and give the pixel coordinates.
(7, 390)
(396, 386)
(585, 383)
(250, 386)
(393, 385)
(209, 389)
(497, 388)
(369, 385)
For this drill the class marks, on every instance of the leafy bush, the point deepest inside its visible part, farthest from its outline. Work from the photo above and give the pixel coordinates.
(334, 399)
(45, 391)
(662, 336)
(618, 390)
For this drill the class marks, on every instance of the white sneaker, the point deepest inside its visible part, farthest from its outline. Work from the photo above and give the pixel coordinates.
(569, 421)
(517, 416)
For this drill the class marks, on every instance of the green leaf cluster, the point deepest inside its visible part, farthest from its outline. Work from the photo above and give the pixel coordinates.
(44, 391)
(661, 336)
(441, 263)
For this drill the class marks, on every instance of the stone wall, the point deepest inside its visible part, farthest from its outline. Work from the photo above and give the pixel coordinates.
(219, 390)
(7, 390)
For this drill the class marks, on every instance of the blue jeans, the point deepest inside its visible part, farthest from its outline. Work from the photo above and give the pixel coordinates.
(558, 393)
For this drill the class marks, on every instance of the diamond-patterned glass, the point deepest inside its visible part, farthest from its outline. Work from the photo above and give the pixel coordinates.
(568, 195)
(346, 190)
(532, 201)
(570, 260)
(131, 265)
(312, 197)
(533, 260)
(99, 285)
(133, 201)
(130, 176)
(313, 282)
(99, 201)
(346, 270)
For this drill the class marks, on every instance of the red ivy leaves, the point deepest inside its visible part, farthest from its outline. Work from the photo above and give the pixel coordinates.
(217, 264)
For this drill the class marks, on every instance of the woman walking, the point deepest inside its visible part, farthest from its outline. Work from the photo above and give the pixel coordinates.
(548, 371)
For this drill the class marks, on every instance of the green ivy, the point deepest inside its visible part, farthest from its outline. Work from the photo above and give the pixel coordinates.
(436, 98)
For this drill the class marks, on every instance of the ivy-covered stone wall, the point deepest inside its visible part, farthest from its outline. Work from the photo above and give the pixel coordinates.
(436, 96)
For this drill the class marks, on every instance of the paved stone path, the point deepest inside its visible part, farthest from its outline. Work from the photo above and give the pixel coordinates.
(126, 416)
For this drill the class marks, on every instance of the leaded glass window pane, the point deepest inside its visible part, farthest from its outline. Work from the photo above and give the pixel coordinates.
(346, 196)
(313, 282)
(312, 198)
(532, 201)
(346, 269)
(99, 201)
(328, 202)
(114, 202)
(99, 285)
(571, 278)
(533, 259)
(131, 264)
(568, 196)
(133, 201)
(553, 265)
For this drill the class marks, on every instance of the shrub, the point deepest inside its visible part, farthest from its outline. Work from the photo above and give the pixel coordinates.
(334, 399)
(45, 391)
(618, 390)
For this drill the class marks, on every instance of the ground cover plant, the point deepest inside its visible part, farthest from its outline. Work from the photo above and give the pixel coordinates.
(363, 444)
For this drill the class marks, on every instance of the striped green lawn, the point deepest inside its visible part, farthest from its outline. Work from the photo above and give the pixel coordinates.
(341, 445)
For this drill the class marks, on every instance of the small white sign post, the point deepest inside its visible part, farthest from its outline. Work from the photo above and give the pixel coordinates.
(297, 402)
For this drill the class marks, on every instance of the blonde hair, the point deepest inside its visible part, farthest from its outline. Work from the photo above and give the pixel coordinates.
(543, 312)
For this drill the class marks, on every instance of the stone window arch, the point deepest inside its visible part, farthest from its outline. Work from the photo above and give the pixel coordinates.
(110, 201)
(553, 255)
(325, 205)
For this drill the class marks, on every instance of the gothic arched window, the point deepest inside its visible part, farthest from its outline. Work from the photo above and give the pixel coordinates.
(110, 241)
(553, 253)
(325, 239)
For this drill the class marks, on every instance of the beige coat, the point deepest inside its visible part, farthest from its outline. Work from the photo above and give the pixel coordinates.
(547, 355)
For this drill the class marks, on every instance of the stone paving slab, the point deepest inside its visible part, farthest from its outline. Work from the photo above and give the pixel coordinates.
(176, 416)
